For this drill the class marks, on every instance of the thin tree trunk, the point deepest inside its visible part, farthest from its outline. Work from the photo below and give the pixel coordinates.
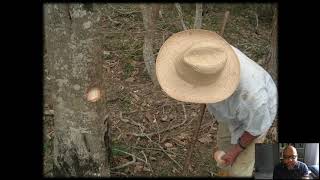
(198, 16)
(271, 65)
(225, 19)
(179, 9)
(74, 63)
(149, 16)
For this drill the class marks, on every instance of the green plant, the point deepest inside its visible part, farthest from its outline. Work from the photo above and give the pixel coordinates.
(128, 69)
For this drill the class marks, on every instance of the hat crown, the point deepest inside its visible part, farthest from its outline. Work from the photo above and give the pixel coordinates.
(202, 63)
(205, 59)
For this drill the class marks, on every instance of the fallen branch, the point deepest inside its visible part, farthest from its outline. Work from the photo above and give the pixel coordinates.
(165, 152)
(167, 129)
(126, 164)
(134, 158)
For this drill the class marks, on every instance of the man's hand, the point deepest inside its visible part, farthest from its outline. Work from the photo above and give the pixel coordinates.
(232, 154)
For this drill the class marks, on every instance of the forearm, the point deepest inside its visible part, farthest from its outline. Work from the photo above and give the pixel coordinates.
(246, 139)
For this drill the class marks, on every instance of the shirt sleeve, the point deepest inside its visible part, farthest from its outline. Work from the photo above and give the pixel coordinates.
(260, 118)
(305, 170)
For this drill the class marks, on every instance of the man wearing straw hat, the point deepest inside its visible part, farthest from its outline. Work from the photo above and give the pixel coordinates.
(199, 66)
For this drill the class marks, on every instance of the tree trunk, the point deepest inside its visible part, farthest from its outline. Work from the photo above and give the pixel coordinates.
(198, 16)
(80, 148)
(225, 19)
(149, 15)
(271, 65)
(179, 9)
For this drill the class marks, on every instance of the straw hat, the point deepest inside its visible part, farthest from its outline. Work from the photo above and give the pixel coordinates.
(197, 66)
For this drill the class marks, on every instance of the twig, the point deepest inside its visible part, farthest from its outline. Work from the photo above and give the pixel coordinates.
(126, 164)
(116, 22)
(157, 129)
(131, 122)
(136, 157)
(49, 171)
(257, 20)
(147, 161)
(124, 13)
(121, 173)
(177, 5)
(165, 152)
(184, 112)
(167, 129)
(154, 149)
(180, 143)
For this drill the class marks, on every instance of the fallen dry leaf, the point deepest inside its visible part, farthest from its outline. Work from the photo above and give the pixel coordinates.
(149, 117)
(130, 79)
(205, 139)
(182, 136)
(138, 168)
(168, 145)
(136, 97)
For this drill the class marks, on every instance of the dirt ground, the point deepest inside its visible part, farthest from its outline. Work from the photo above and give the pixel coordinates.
(137, 107)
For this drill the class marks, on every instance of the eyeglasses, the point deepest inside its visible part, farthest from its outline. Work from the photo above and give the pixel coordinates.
(290, 157)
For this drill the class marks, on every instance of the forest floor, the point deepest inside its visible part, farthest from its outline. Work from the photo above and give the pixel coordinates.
(131, 95)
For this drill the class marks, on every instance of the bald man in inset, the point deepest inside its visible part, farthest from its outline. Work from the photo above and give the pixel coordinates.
(290, 167)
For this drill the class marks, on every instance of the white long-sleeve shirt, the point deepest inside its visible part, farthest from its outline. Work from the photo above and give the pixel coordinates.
(253, 106)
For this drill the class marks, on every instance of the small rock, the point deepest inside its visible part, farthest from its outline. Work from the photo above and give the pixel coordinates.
(106, 53)
(87, 25)
(190, 169)
(144, 103)
(182, 136)
(152, 158)
(76, 87)
(130, 79)
(164, 118)
(174, 170)
(193, 114)
(49, 112)
(168, 145)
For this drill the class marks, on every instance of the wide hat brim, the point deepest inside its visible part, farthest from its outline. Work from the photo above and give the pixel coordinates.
(181, 90)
